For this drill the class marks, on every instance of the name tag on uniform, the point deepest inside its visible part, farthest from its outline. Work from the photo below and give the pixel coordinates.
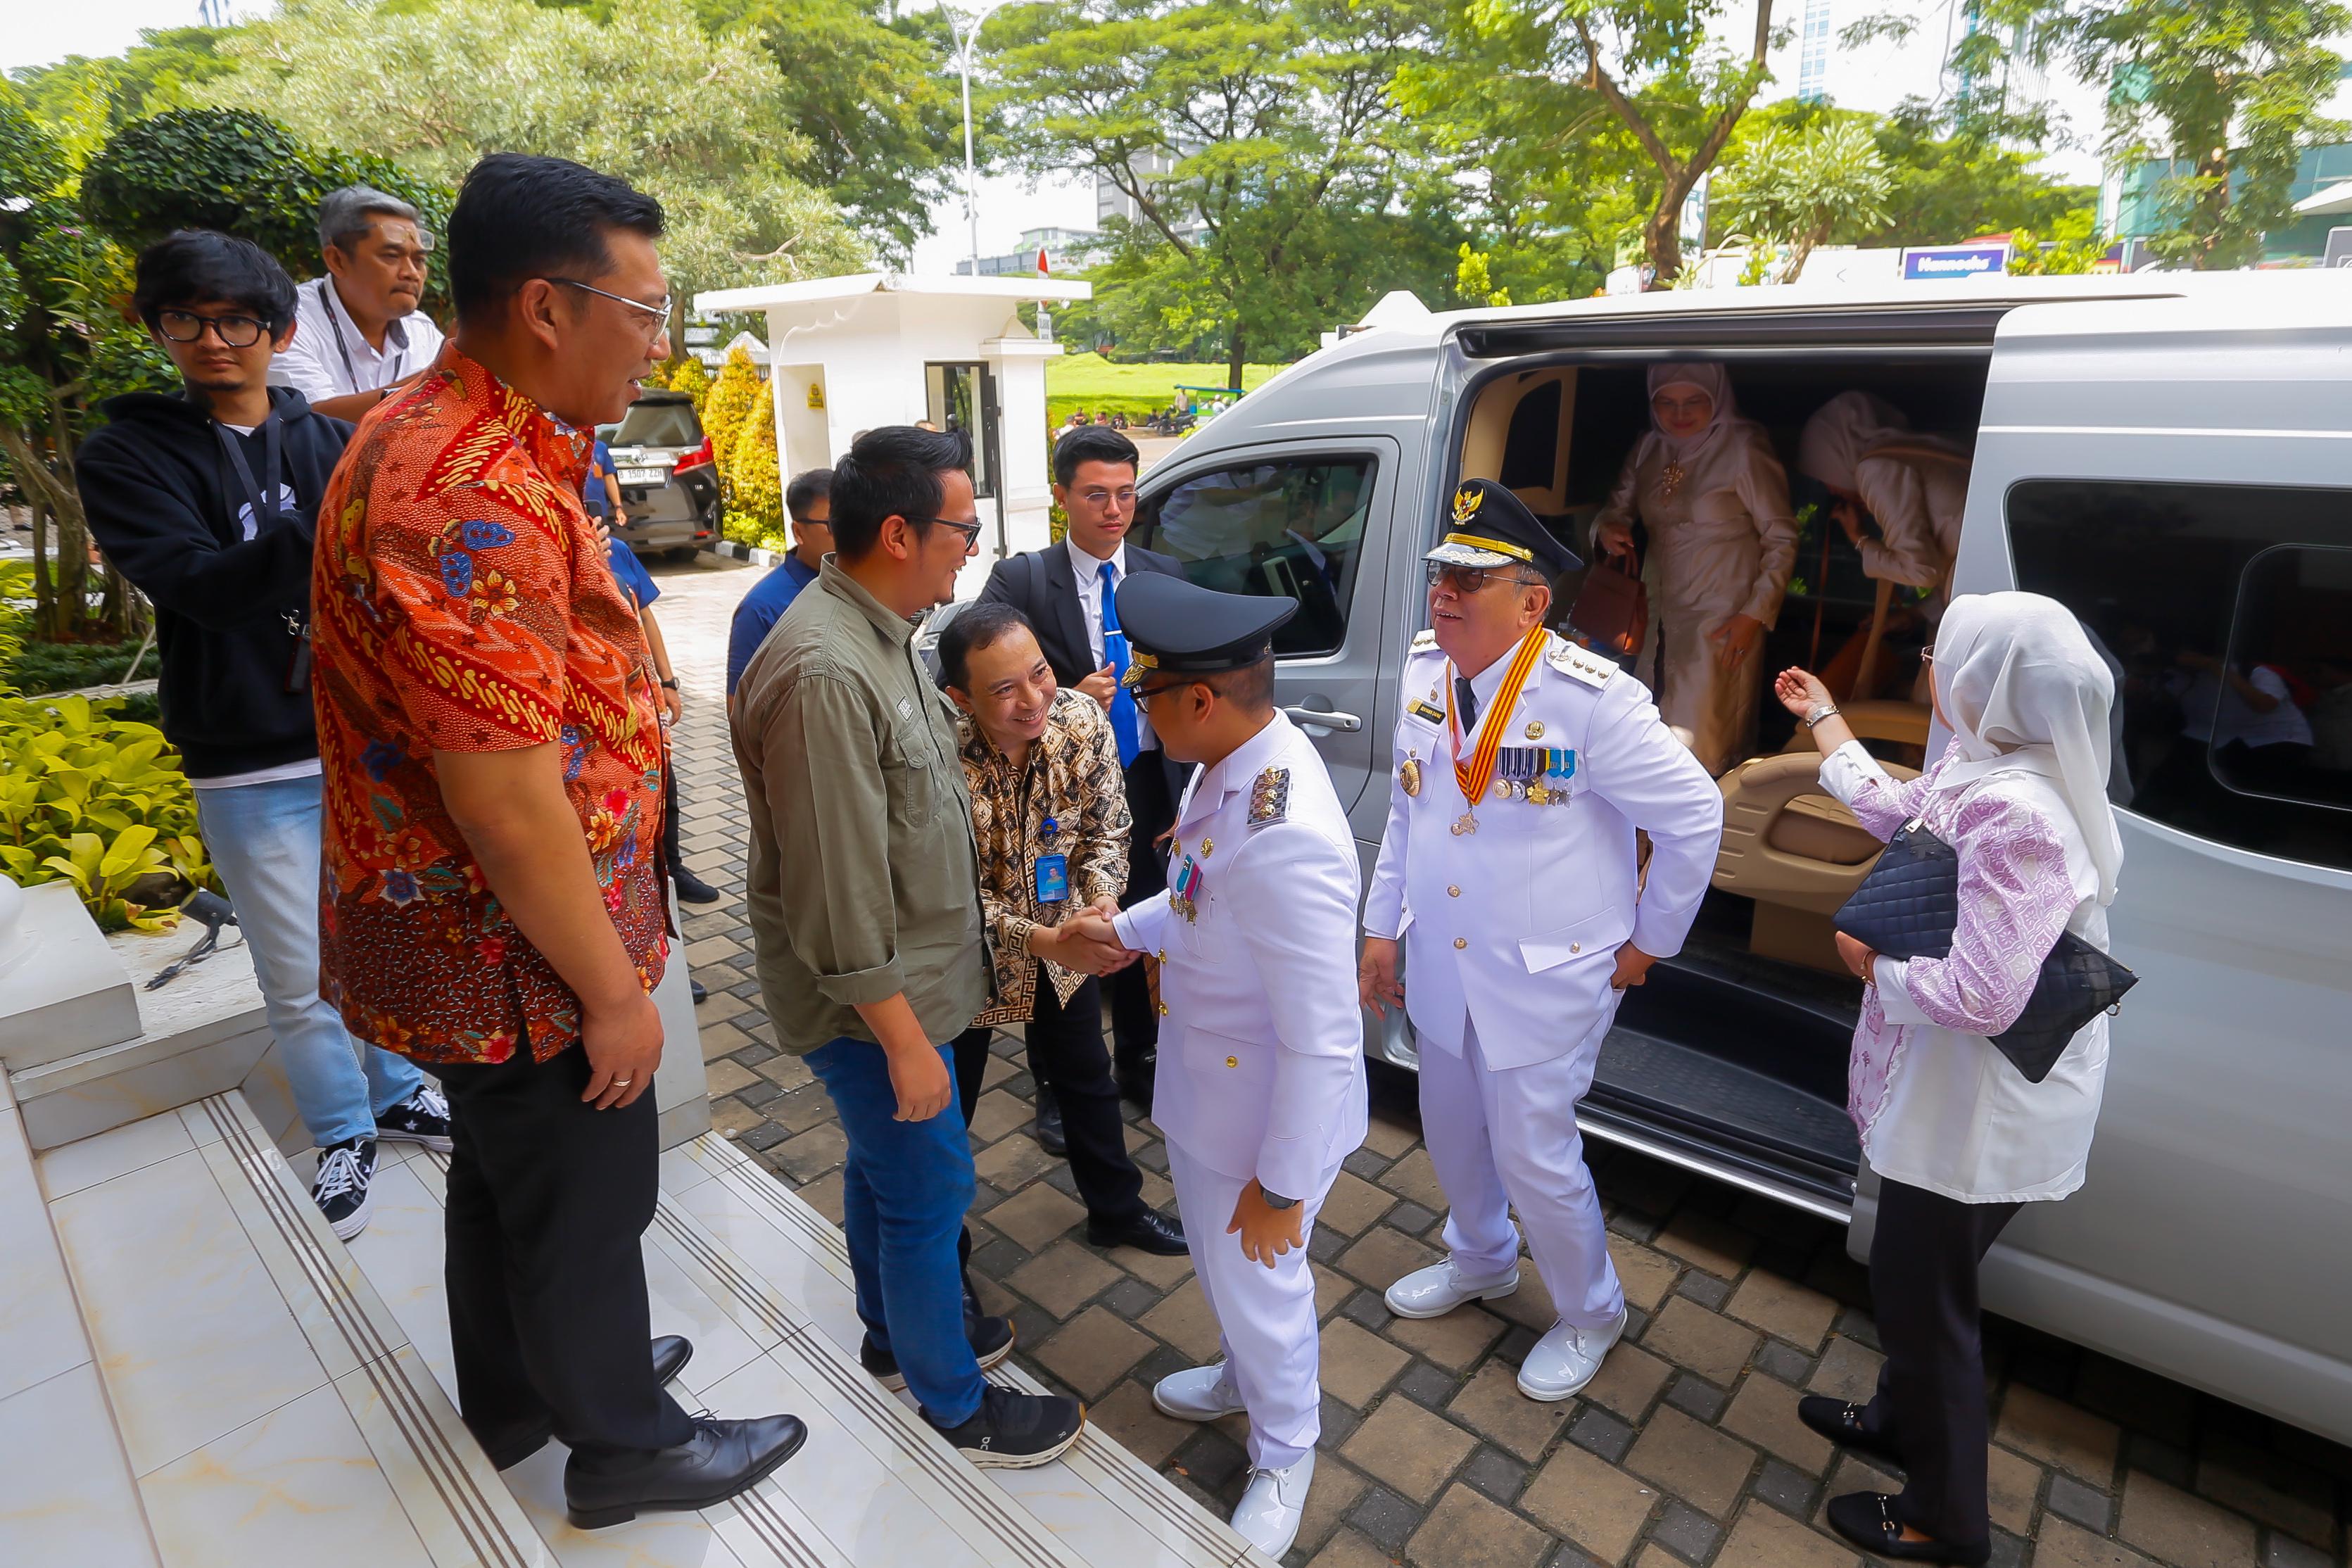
(1052, 878)
(1423, 711)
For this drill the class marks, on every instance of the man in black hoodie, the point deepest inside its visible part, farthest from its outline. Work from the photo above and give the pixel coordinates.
(208, 501)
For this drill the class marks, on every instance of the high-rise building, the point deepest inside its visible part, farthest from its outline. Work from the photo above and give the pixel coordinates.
(1814, 49)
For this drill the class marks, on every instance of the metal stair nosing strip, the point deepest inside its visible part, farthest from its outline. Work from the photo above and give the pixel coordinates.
(469, 1507)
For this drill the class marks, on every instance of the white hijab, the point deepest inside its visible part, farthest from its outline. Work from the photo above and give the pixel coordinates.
(1702, 376)
(1848, 428)
(2024, 690)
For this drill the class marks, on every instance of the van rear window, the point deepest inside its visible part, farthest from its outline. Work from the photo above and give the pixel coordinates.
(658, 424)
(2226, 612)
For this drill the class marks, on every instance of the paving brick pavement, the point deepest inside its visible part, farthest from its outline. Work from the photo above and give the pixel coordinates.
(1686, 1449)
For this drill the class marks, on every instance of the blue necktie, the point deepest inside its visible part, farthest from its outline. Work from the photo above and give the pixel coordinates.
(1123, 724)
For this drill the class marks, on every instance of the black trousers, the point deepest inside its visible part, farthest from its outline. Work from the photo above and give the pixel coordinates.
(670, 857)
(1931, 1395)
(1134, 1022)
(1065, 1041)
(548, 1322)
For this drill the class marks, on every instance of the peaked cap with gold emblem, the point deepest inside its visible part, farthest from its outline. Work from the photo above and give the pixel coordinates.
(1493, 529)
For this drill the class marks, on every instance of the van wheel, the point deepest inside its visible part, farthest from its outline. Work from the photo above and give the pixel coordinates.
(683, 552)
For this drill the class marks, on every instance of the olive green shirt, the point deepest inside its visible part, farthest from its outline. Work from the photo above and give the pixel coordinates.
(865, 877)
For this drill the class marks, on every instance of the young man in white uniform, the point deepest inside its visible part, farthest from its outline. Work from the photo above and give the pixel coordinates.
(1260, 1091)
(1523, 766)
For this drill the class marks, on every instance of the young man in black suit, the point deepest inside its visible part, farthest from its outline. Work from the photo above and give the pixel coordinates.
(1065, 590)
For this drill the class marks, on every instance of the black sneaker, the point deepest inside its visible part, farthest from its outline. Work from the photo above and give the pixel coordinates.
(422, 1117)
(991, 1342)
(345, 1172)
(1014, 1431)
(691, 889)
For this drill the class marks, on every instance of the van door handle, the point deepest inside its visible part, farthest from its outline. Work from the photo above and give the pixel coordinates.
(1323, 719)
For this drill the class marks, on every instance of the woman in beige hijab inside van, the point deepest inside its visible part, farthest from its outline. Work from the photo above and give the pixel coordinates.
(1722, 539)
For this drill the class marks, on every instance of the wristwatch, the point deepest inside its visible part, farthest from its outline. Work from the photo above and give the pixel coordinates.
(1824, 710)
(669, 685)
(1275, 1200)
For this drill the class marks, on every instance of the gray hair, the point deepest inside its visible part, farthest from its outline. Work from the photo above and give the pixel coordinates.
(346, 216)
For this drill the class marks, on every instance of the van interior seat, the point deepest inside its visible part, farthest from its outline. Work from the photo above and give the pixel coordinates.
(1795, 851)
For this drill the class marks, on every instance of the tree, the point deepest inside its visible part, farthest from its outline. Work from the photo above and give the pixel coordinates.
(1256, 144)
(2226, 93)
(692, 378)
(757, 506)
(726, 407)
(1799, 187)
(81, 95)
(1633, 67)
(695, 120)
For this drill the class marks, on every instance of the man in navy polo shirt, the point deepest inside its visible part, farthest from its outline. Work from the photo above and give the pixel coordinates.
(809, 501)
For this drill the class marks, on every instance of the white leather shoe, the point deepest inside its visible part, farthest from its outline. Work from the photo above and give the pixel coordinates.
(1197, 1393)
(1565, 1359)
(1433, 1292)
(1268, 1514)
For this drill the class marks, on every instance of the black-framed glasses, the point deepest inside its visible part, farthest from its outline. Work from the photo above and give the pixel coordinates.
(971, 530)
(656, 316)
(188, 327)
(1144, 694)
(1466, 580)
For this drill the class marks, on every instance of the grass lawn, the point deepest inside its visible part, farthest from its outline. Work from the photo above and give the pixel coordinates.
(1091, 382)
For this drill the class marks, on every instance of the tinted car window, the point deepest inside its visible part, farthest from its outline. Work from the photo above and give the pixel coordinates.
(1289, 527)
(658, 424)
(2227, 612)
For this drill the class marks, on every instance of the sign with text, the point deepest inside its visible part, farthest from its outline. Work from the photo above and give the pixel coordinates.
(1925, 262)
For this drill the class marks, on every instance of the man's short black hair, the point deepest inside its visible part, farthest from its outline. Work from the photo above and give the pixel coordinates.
(892, 472)
(1092, 444)
(196, 265)
(1250, 687)
(521, 217)
(976, 627)
(805, 490)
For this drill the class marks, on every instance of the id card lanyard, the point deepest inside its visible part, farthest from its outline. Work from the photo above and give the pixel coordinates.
(263, 500)
(343, 347)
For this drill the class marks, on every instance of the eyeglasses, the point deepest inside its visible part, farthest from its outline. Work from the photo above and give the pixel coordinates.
(971, 530)
(1467, 580)
(187, 327)
(656, 316)
(1124, 498)
(1144, 694)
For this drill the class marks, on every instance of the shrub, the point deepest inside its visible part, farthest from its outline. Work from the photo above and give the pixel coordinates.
(67, 666)
(88, 797)
(759, 487)
(730, 399)
(692, 379)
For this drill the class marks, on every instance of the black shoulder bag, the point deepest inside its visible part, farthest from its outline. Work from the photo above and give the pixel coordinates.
(1908, 907)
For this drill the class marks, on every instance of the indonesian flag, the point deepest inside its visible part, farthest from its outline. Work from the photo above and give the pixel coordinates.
(1043, 270)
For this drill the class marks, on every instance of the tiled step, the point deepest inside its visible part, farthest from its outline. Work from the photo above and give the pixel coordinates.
(282, 1399)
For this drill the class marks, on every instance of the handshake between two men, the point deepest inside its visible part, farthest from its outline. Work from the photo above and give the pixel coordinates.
(1085, 941)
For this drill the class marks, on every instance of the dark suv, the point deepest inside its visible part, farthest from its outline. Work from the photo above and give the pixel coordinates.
(669, 487)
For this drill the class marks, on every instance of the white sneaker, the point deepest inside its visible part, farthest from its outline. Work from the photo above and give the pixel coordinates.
(1268, 1514)
(1197, 1393)
(1433, 1292)
(1565, 1359)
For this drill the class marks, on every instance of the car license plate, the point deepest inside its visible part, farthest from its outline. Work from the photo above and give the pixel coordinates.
(644, 476)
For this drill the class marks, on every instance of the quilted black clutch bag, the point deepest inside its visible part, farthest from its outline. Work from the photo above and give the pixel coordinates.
(1908, 907)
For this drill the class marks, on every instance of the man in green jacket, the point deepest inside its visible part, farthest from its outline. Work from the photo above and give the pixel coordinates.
(865, 904)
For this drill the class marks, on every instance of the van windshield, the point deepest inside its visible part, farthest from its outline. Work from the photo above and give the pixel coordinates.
(658, 424)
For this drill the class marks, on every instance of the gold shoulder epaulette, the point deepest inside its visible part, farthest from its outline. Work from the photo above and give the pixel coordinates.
(1581, 664)
(1269, 797)
(1424, 641)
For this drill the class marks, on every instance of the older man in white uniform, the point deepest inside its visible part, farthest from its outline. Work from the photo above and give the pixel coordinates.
(1524, 764)
(1260, 1091)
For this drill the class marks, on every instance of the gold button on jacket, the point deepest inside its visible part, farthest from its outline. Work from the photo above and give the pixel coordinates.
(1461, 942)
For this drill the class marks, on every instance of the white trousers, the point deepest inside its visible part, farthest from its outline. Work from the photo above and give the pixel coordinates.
(1506, 1137)
(1266, 1317)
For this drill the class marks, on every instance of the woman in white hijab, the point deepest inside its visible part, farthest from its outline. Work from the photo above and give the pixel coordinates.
(1722, 539)
(1916, 486)
(1959, 1139)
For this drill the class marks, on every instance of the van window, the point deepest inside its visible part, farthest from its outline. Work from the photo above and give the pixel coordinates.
(657, 424)
(2227, 612)
(1289, 527)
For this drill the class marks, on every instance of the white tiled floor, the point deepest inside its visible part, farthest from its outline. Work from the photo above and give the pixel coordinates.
(283, 1400)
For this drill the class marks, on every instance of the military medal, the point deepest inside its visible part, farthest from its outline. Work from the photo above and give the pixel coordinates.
(1476, 774)
(1409, 775)
(1185, 892)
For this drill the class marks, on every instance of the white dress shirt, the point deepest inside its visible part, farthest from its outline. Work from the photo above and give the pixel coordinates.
(331, 357)
(1088, 570)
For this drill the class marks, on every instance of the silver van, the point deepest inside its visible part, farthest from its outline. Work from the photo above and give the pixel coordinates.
(2172, 455)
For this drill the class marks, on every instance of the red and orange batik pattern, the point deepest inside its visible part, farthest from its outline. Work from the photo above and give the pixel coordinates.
(460, 603)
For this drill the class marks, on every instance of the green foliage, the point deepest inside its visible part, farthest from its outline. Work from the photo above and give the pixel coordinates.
(696, 120)
(1090, 384)
(80, 97)
(1474, 278)
(89, 798)
(759, 488)
(1797, 188)
(691, 378)
(2227, 93)
(724, 408)
(40, 667)
(2074, 245)
(240, 173)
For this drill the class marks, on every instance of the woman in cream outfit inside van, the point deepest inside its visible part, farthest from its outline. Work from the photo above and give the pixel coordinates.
(1915, 486)
(1722, 539)
(1959, 1139)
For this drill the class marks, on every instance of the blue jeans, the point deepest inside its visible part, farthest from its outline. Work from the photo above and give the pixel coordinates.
(264, 841)
(904, 1191)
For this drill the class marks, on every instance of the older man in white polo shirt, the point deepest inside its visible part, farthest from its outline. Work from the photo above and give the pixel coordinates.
(358, 333)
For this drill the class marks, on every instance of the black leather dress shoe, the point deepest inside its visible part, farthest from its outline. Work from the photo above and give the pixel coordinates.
(1841, 1424)
(1867, 1518)
(671, 1353)
(699, 992)
(691, 889)
(1148, 1231)
(722, 1459)
(1047, 1128)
